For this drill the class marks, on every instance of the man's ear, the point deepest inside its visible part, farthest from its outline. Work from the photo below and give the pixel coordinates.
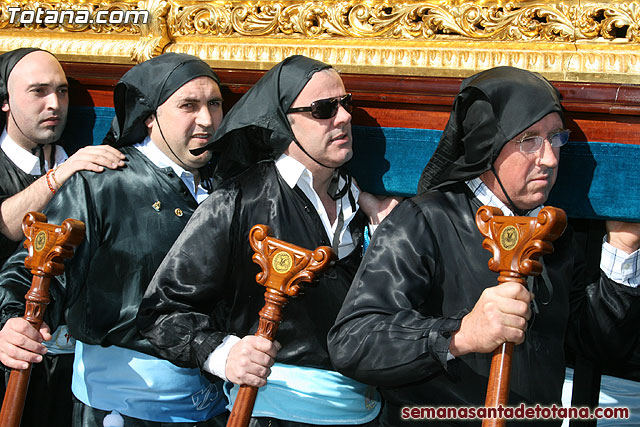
(5, 106)
(148, 122)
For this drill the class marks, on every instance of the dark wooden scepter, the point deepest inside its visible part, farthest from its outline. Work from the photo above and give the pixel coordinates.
(284, 269)
(48, 246)
(516, 244)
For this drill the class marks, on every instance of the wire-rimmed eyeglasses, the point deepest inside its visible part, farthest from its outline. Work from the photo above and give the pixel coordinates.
(533, 144)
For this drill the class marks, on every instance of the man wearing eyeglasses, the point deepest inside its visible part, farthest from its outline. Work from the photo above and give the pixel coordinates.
(424, 313)
(281, 151)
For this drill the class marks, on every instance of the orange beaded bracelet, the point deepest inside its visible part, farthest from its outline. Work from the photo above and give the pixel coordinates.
(53, 176)
(49, 172)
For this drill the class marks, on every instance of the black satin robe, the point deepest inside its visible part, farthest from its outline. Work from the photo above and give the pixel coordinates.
(206, 287)
(12, 181)
(126, 239)
(53, 375)
(424, 270)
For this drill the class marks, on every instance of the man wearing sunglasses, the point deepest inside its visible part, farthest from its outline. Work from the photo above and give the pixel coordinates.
(281, 151)
(425, 295)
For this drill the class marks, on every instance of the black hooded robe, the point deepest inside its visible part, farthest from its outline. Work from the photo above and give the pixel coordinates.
(209, 272)
(12, 181)
(126, 239)
(125, 236)
(424, 270)
(54, 373)
(132, 217)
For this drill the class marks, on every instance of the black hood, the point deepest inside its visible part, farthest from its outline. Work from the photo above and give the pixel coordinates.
(257, 128)
(491, 108)
(145, 87)
(8, 61)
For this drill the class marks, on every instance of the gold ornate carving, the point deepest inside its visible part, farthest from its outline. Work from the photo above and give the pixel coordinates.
(63, 24)
(200, 19)
(550, 21)
(87, 38)
(565, 40)
(154, 33)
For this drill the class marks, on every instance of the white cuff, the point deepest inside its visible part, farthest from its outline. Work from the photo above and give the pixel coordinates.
(217, 360)
(620, 266)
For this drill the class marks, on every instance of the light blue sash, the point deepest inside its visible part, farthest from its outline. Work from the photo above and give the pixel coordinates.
(61, 342)
(142, 386)
(312, 396)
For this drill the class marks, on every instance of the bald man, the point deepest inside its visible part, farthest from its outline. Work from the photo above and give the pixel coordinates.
(34, 101)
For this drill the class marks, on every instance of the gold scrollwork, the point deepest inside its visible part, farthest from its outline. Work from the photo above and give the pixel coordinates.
(570, 21)
(201, 19)
(155, 34)
(94, 36)
(611, 21)
(565, 40)
(63, 24)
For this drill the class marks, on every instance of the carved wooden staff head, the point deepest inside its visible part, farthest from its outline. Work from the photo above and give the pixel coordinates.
(49, 244)
(285, 266)
(518, 242)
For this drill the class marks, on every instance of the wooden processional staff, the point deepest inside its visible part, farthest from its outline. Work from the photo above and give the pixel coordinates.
(516, 244)
(48, 246)
(284, 268)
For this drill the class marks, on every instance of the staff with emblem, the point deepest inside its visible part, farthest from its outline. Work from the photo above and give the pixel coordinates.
(425, 303)
(282, 150)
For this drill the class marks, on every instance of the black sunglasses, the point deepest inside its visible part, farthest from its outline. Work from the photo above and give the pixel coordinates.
(326, 108)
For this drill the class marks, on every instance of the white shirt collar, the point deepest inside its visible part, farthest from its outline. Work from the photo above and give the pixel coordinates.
(295, 173)
(486, 197)
(157, 157)
(292, 171)
(161, 160)
(24, 159)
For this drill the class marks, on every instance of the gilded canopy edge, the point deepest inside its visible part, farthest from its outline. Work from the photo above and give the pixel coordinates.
(565, 41)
